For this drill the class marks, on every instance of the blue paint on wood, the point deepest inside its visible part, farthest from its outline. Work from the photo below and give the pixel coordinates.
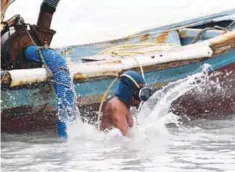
(37, 96)
(76, 52)
(34, 97)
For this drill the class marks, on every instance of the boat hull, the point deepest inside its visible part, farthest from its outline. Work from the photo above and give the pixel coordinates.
(210, 103)
(28, 103)
(191, 106)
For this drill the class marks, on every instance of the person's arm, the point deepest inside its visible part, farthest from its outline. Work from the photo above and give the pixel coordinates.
(120, 122)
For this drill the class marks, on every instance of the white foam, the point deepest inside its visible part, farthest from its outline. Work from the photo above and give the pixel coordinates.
(151, 131)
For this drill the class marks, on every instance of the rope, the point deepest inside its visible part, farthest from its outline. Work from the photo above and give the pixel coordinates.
(39, 49)
(225, 29)
(229, 27)
(122, 50)
(196, 38)
(136, 84)
(118, 52)
(42, 58)
(141, 68)
(109, 87)
(129, 50)
(3, 77)
(102, 101)
(60, 83)
(107, 91)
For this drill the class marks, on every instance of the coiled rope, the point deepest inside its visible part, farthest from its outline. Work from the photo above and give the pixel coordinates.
(130, 49)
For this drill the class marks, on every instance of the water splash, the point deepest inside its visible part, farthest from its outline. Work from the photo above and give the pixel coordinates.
(151, 147)
(150, 128)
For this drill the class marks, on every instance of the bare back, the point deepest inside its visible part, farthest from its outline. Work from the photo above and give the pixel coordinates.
(117, 114)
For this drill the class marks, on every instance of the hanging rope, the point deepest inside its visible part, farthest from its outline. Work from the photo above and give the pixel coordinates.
(102, 101)
(229, 27)
(118, 50)
(38, 48)
(225, 29)
(42, 58)
(141, 68)
(108, 89)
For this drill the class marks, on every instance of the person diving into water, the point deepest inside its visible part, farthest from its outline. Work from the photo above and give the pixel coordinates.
(130, 92)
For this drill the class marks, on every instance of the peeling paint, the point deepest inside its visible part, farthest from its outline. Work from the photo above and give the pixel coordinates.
(162, 37)
(145, 37)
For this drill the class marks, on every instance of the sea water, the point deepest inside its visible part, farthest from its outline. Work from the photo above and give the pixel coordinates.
(159, 141)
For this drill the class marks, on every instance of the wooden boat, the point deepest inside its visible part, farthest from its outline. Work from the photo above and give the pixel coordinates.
(166, 54)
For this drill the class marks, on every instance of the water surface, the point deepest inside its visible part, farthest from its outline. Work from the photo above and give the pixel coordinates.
(160, 141)
(200, 146)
